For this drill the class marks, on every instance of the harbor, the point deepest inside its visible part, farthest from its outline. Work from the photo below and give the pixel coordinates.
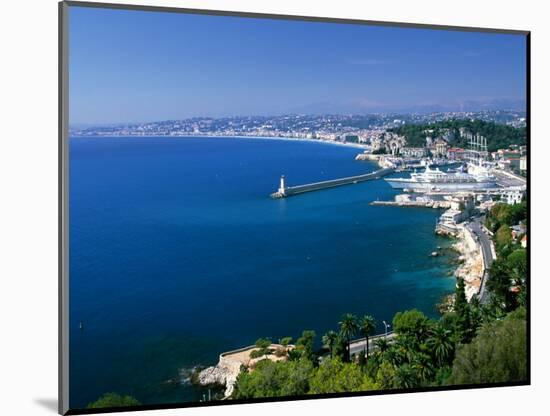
(465, 194)
(465, 190)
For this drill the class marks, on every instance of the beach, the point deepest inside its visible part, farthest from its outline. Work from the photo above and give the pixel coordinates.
(211, 136)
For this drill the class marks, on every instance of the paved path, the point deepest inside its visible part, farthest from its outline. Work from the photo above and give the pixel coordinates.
(359, 345)
(476, 228)
(506, 179)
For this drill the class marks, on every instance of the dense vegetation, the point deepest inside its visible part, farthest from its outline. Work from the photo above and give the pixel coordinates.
(113, 400)
(506, 215)
(471, 344)
(507, 273)
(424, 353)
(497, 353)
(499, 136)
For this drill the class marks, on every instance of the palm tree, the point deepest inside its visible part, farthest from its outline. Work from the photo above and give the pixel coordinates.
(394, 356)
(348, 328)
(329, 339)
(441, 344)
(382, 344)
(367, 325)
(404, 377)
(400, 351)
(423, 366)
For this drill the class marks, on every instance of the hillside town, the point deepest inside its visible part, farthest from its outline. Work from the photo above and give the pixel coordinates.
(335, 127)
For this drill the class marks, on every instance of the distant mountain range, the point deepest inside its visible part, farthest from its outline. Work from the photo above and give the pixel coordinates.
(366, 106)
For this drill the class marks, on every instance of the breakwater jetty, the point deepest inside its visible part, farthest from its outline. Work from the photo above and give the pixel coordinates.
(286, 191)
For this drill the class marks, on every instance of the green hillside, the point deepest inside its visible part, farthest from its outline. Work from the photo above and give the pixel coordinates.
(498, 135)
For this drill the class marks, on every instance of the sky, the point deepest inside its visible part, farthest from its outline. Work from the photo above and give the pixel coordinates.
(137, 66)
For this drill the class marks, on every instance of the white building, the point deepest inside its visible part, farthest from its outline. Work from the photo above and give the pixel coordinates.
(417, 152)
(439, 147)
(462, 202)
(451, 217)
(461, 208)
(523, 163)
(512, 197)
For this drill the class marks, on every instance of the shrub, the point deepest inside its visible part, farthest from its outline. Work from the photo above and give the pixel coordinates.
(113, 400)
(497, 354)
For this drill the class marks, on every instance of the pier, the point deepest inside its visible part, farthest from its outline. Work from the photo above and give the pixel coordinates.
(286, 191)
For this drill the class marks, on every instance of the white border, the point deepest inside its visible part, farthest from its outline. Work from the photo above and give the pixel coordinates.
(29, 203)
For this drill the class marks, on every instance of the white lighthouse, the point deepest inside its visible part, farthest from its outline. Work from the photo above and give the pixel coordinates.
(282, 186)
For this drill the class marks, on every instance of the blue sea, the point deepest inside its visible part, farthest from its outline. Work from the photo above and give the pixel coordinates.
(177, 253)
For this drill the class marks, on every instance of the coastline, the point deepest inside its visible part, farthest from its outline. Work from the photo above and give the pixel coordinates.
(230, 363)
(471, 267)
(198, 136)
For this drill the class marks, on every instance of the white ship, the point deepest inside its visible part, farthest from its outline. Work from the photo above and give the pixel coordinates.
(477, 177)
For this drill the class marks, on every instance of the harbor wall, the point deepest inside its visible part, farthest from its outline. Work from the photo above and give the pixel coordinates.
(316, 186)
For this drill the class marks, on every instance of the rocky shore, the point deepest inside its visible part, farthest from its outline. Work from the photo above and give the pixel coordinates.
(229, 366)
(471, 269)
(471, 261)
(222, 374)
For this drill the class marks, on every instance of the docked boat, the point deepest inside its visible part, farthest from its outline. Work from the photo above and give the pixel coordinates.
(477, 177)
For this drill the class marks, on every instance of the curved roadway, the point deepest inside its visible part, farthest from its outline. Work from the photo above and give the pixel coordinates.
(484, 241)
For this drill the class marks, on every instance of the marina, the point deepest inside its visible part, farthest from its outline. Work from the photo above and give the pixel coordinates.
(466, 194)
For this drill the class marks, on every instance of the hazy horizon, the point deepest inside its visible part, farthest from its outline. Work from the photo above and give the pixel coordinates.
(380, 114)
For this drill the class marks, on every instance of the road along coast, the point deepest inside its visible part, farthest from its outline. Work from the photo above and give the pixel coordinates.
(476, 253)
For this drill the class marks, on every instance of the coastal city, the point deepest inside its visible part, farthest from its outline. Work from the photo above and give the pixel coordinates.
(334, 127)
(302, 209)
(466, 165)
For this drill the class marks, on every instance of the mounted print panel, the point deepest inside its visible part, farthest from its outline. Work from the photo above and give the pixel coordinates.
(262, 208)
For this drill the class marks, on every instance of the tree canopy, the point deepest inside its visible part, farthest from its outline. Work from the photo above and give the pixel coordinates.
(499, 136)
(503, 214)
(497, 354)
(335, 376)
(113, 400)
(412, 323)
